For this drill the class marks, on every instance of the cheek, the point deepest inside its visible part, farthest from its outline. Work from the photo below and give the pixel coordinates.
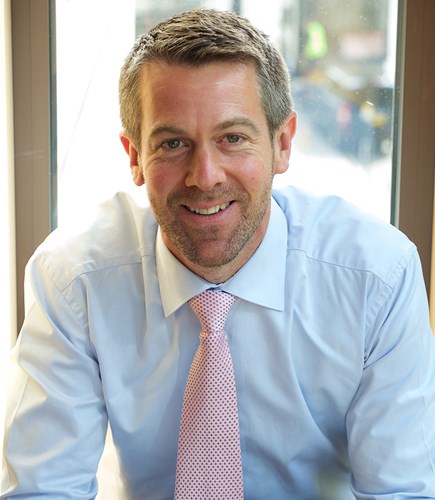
(161, 179)
(255, 174)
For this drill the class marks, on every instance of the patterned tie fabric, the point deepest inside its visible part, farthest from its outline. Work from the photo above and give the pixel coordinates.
(209, 464)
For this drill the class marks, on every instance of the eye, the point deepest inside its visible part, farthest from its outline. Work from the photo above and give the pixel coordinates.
(233, 138)
(172, 144)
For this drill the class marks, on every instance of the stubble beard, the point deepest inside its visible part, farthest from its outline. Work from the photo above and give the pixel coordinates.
(191, 244)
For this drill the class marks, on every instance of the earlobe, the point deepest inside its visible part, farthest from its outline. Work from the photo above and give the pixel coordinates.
(130, 149)
(283, 138)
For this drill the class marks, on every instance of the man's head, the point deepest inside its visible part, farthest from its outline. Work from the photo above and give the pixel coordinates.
(207, 122)
(198, 38)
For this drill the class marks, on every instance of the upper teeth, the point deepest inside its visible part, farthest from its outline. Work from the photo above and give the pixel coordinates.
(209, 211)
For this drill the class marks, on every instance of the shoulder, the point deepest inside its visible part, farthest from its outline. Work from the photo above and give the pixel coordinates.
(119, 232)
(333, 231)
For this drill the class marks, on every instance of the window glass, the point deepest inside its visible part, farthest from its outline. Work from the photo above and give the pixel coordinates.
(341, 55)
(342, 58)
(92, 39)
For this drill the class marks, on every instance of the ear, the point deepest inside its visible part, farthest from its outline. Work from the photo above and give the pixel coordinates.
(130, 149)
(283, 143)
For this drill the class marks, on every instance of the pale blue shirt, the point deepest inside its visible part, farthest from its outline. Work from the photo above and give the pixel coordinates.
(330, 339)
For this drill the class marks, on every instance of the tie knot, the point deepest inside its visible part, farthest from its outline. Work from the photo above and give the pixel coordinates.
(212, 308)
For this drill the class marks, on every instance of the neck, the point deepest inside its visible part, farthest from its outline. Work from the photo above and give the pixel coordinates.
(221, 274)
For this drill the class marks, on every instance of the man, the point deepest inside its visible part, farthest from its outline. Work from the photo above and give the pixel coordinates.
(333, 359)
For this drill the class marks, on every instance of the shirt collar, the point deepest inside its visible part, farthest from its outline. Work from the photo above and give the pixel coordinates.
(261, 280)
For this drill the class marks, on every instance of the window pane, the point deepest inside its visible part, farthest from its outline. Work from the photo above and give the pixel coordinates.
(342, 59)
(92, 39)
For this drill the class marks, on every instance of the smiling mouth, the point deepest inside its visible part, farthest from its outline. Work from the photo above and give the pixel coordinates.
(209, 211)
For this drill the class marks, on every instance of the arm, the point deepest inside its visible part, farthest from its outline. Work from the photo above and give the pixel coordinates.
(391, 422)
(55, 419)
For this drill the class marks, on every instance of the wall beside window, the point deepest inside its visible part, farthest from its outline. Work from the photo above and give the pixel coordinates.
(7, 201)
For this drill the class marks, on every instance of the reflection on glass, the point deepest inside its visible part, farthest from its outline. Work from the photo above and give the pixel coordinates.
(342, 57)
(344, 82)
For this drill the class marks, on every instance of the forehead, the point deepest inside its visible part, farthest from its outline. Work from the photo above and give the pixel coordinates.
(214, 89)
(216, 77)
(214, 74)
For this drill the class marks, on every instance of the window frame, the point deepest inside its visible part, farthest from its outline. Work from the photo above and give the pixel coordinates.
(33, 95)
(414, 145)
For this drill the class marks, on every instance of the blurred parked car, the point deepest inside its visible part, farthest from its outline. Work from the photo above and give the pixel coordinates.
(351, 108)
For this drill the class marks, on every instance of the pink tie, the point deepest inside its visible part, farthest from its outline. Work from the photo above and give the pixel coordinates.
(209, 464)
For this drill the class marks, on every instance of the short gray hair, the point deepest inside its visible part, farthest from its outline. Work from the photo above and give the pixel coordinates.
(199, 37)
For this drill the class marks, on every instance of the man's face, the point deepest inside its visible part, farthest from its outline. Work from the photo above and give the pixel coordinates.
(208, 162)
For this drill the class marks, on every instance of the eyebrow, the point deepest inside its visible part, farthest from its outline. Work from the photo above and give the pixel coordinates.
(165, 129)
(232, 122)
(238, 121)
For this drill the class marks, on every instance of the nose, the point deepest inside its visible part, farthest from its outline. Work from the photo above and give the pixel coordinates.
(205, 170)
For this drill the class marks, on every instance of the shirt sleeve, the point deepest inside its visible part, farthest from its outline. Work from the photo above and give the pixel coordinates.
(56, 420)
(391, 422)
